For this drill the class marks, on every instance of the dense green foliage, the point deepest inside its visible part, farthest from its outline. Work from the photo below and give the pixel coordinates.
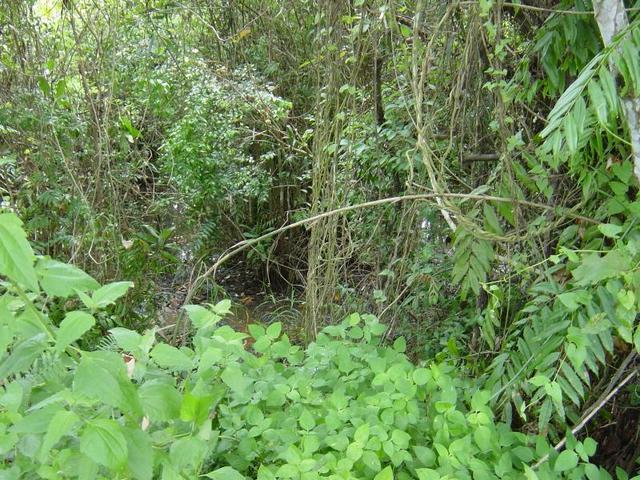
(344, 407)
(463, 173)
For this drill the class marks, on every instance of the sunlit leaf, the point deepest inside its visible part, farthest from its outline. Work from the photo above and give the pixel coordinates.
(16, 256)
(74, 325)
(103, 442)
(62, 280)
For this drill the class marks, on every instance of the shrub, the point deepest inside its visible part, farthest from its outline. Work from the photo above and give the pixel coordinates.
(345, 407)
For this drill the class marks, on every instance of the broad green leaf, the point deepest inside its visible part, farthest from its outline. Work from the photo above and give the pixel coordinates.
(573, 300)
(62, 280)
(103, 442)
(525, 454)
(210, 357)
(623, 170)
(482, 436)
(485, 7)
(627, 299)
(621, 474)
(256, 331)
(425, 455)
(12, 397)
(127, 340)
(44, 85)
(140, 454)
(23, 355)
(187, 453)
(400, 345)
(195, 408)
(610, 230)
(442, 407)
(595, 268)
(96, 382)
(262, 344)
(592, 473)
(354, 451)
(565, 461)
(133, 131)
(427, 474)
(87, 300)
(60, 88)
(400, 438)
(225, 473)
(265, 474)
(16, 256)
(338, 442)
(147, 341)
(292, 455)
(545, 414)
(572, 378)
(255, 416)
(167, 356)
(61, 423)
(288, 471)
(276, 398)
(421, 376)
(480, 399)
(361, 434)
(306, 420)
(36, 421)
(405, 31)
(529, 473)
(554, 390)
(235, 379)
(539, 380)
(222, 307)
(74, 325)
(273, 330)
(378, 329)
(160, 401)
(590, 446)
(385, 474)
(201, 317)
(371, 460)
(110, 293)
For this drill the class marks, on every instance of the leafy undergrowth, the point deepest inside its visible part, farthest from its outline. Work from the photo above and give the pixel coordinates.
(346, 407)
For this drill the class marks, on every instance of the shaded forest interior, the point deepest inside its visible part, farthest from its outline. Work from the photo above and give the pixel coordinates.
(464, 174)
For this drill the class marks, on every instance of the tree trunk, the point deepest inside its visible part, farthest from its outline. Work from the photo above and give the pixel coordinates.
(612, 19)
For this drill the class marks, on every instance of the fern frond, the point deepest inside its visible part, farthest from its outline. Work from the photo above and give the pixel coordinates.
(205, 237)
(560, 350)
(593, 97)
(472, 261)
(47, 369)
(107, 343)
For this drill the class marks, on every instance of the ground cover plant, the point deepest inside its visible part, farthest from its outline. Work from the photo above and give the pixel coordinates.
(344, 407)
(363, 239)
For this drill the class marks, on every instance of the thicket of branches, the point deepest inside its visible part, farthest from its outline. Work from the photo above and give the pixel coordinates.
(466, 171)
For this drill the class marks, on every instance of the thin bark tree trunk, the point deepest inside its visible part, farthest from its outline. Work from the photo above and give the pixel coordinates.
(612, 19)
